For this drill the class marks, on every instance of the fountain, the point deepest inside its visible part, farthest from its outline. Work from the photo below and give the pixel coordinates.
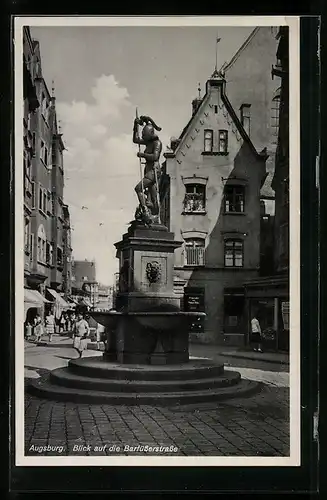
(146, 360)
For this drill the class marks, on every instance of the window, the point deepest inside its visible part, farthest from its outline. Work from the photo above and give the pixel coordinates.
(245, 117)
(208, 141)
(48, 246)
(26, 234)
(234, 199)
(233, 253)
(223, 141)
(33, 194)
(275, 116)
(44, 107)
(59, 257)
(41, 244)
(44, 153)
(31, 243)
(194, 252)
(40, 198)
(216, 109)
(43, 201)
(195, 198)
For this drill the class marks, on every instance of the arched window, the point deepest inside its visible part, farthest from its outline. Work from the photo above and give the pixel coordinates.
(41, 244)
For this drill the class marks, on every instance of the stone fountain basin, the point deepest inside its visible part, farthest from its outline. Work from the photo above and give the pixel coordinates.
(156, 320)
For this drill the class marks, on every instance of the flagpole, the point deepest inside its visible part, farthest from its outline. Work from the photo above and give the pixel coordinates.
(217, 41)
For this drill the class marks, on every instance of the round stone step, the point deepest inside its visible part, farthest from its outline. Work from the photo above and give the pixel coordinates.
(99, 367)
(44, 389)
(67, 378)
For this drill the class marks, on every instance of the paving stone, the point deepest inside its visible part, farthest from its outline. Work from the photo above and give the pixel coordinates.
(237, 427)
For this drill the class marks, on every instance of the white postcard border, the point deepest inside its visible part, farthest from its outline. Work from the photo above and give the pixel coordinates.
(295, 408)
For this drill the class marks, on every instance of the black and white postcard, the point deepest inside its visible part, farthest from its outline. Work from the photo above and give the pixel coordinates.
(157, 195)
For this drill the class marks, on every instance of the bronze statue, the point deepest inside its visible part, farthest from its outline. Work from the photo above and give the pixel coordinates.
(147, 188)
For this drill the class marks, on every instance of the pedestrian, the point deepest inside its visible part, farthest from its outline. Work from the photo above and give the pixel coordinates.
(69, 323)
(256, 334)
(81, 332)
(62, 323)
(38, 328)
(50, 325)
(28, 330)
(100, 333)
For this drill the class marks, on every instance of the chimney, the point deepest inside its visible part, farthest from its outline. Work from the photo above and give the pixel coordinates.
(174, 143)
(196, 104)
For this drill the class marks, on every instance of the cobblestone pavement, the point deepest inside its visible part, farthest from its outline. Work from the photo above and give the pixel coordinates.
(254, 426)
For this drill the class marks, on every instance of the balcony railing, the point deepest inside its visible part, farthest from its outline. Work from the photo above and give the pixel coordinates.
(194, 256)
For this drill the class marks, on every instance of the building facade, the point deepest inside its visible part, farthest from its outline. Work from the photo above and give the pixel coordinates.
(256, 96)
(268, 297)
(84, 283)
(67, 252)
(210, 198)
(43, 182)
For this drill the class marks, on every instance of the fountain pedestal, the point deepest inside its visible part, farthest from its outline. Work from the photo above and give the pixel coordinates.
(147, 330)
(150, 328)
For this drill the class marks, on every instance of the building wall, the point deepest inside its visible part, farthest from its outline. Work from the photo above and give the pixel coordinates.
(83, 269)
(29, 126)
(239, 167)
(67, 253)
(281, 178)
(43, 175)
(249, 80)
(57, 179)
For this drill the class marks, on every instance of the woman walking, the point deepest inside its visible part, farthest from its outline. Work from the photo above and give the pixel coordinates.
(256, 333)
(50, 325)
(81, 333)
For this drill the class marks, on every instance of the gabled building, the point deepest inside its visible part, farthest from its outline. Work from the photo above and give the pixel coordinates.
(210, 198)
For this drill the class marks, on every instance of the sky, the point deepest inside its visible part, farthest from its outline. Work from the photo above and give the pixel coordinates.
(101, 74)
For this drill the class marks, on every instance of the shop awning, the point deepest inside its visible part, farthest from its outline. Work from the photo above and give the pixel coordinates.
(33, 298)
(58, 298)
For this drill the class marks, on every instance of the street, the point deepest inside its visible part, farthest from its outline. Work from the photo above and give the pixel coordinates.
(252, 426)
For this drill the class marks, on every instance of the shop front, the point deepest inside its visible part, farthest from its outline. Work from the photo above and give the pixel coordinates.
(267, 299)
(34, 303)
